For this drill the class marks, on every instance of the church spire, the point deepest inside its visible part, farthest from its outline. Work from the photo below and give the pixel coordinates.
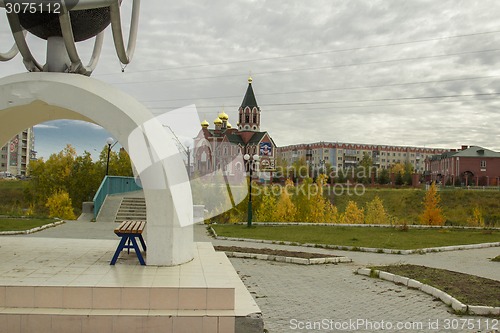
(249, 111)
(249, 99)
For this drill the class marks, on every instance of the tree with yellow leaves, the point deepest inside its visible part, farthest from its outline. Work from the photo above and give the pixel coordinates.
(267, 206)
(353, 214)
(285, 209)
(320, 208)
(375, 212)
(432, 214)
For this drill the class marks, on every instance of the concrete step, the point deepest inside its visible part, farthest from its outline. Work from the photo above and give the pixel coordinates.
(168, 297)
(131, 208)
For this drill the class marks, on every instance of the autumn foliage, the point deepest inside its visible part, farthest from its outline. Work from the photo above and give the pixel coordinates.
(60, 205)
(375, 212)
(65, 180)
(432, 214)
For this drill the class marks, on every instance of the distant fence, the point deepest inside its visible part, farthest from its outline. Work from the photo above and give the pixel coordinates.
(113, 185)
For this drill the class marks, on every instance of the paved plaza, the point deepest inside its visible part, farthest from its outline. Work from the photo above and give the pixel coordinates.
(330, 298)
(291, 296)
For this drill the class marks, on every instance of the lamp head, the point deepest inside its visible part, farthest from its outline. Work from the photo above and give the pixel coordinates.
(85, 23)
(246, 157)
(110, 141)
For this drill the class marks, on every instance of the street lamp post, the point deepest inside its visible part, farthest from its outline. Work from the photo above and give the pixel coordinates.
(251, 161)
(188, 152)
(110, 142)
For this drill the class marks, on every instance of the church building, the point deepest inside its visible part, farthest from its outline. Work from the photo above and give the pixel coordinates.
(216, 148)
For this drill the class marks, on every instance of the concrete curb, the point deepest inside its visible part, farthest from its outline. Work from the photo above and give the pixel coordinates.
(411, 226)
(364, 249)
(30, 231)
(444, 297)
(290, 260)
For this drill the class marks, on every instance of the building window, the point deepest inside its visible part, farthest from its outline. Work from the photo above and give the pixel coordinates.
(483, 164)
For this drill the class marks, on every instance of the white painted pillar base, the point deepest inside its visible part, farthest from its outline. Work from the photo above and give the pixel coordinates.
(171, 245)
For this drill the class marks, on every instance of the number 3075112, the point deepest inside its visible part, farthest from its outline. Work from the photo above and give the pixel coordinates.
(32, 7)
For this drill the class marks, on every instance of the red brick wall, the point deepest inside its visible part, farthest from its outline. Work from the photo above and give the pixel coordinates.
(473, 164)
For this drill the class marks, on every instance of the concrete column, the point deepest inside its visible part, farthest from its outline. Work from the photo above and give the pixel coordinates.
(57, 56)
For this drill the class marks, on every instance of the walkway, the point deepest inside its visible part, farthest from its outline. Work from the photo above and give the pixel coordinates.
(292, 295)
(326, 297)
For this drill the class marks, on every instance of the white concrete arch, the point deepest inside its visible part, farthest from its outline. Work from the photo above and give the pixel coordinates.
(31, 98)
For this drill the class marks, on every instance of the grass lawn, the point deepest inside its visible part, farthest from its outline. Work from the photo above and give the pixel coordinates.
(406, 204)
(388, 238)
(15, 224)
(468, 289)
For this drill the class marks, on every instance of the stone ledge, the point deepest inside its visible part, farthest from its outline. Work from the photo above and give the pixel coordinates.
(444, 297)
(290, 260)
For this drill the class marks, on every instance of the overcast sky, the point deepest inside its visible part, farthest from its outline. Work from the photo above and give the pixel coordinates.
(418, 73)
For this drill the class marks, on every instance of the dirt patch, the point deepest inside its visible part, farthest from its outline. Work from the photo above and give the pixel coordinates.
(284, 253)
(469, 289)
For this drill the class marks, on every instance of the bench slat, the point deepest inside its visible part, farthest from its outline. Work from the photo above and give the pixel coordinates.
(131, 227)
(121, 226)
(141, 226)
(136, 227)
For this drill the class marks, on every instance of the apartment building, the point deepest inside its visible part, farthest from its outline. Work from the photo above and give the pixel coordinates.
(342, 156)
(16, 154)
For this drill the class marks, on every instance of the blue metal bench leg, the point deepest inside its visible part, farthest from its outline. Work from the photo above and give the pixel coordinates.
(137, 251)
(142, 242)
(119, 249)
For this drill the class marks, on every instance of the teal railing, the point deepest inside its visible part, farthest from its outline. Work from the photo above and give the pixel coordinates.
(113, 185)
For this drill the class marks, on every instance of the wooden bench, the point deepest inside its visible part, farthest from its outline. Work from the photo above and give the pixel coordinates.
(129, 231)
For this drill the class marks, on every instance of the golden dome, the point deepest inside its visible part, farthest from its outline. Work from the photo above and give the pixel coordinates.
(223, 116)
(250, 79)
(217, 121)
(228, 125)
(204, 123)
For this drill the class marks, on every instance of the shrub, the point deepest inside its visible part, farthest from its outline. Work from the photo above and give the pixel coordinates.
(60, 205)
(477, 219)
